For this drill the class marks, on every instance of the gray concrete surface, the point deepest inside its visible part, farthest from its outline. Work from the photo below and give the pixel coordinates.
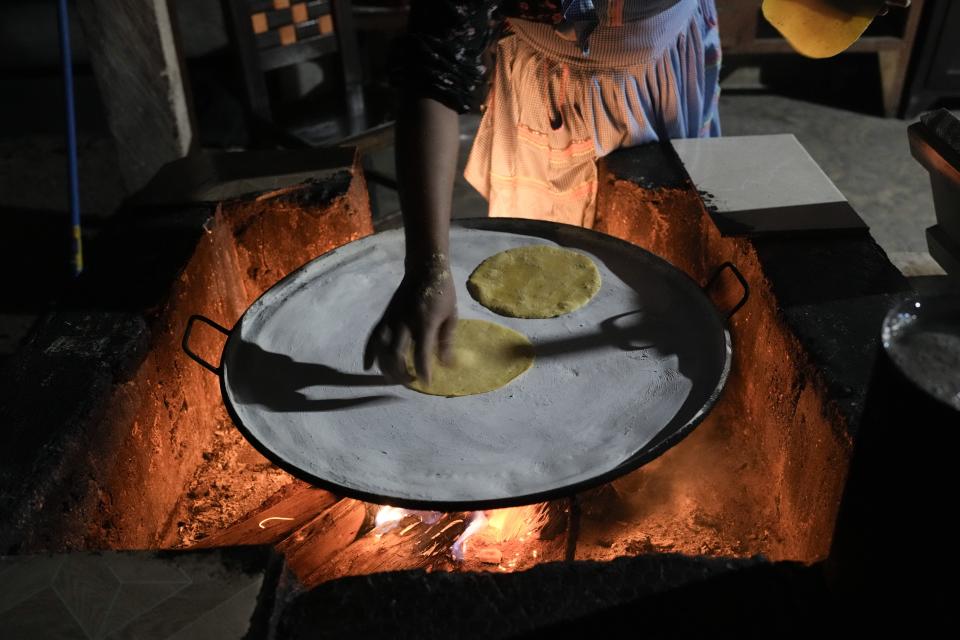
(868, 159)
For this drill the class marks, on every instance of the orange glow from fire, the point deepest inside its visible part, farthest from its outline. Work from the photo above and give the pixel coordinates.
(514, 523)
(387, 516)
(263, 523)
(497, 537)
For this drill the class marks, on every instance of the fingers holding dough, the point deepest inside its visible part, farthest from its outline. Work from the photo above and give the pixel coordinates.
(485, 357)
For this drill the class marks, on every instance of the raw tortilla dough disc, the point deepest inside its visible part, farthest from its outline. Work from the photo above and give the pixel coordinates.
(537, 281)
(821, 28)
(486, 356)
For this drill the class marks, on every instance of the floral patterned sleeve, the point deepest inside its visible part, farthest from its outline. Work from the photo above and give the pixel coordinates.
(444, 47)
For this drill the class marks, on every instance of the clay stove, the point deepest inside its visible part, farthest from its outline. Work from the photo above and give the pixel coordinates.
(157, 464)
(711, 496)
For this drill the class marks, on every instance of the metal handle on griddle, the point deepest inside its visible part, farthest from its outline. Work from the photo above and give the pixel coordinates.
(185, 343)
(739, 276)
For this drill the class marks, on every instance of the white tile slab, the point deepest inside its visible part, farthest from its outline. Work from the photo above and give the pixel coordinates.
(764, 184)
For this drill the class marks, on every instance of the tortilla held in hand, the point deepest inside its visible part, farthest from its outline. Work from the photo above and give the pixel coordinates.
(821, 28)
(486, 356)
(538, 281)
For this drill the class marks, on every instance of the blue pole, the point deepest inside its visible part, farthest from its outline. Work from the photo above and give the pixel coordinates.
(66, 60)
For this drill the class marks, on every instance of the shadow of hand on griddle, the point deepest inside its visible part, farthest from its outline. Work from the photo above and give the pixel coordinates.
(630, 331)
(666, 337)
(276, 381)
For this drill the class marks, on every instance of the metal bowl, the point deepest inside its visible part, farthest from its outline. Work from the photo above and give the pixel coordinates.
(921, 336)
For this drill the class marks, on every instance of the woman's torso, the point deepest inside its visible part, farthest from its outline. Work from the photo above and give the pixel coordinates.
(609, 12)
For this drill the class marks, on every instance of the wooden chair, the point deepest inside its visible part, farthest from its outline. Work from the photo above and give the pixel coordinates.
(272, 34)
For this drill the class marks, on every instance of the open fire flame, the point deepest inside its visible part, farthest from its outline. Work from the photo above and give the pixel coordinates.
(491, 530)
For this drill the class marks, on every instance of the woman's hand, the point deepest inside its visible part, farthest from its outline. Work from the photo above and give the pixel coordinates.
(423, 311)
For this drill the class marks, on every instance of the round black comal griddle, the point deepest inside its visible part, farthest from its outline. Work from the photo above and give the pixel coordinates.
(614, 384)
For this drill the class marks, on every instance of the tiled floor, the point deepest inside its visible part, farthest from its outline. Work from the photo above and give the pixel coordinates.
(142, 595)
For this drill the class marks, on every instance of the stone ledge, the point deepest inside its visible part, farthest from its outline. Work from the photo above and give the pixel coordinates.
(221, 593)
(544, 599)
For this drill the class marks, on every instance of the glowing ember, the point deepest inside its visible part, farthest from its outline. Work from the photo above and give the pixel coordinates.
(388, 518)
(263, 523)
(489, 556)
(515, 523)
(477, 521)
(499, 537)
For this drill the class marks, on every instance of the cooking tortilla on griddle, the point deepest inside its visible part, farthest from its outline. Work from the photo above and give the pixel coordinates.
(537, 281)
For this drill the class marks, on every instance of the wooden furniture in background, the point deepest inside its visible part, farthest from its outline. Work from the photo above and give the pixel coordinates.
(743, 30)
(272, 34)
(936, 72)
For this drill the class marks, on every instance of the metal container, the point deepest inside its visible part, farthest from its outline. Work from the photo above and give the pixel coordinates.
(921, 337)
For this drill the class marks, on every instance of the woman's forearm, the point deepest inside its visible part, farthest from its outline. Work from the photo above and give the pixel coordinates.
(428, 141)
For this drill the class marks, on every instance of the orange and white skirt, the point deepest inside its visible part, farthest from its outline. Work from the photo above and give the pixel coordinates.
(552, 111)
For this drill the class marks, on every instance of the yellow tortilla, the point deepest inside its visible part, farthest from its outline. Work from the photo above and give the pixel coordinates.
(486, 356)
(821, 28)
(538, 281)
